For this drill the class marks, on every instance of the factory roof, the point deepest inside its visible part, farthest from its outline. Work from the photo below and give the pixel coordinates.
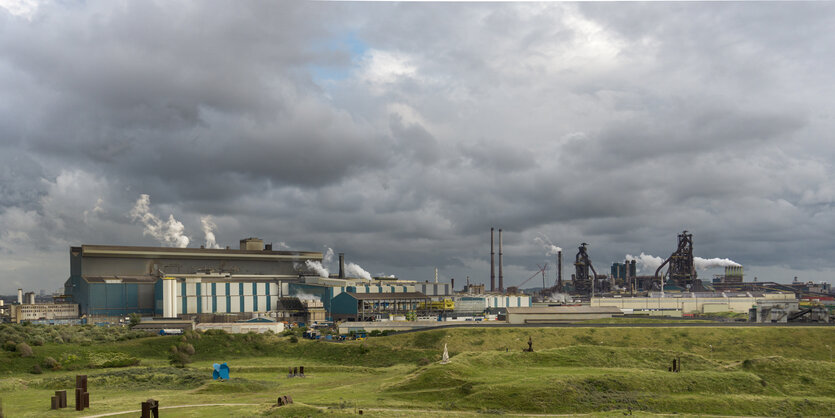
(387, 296)
(154, 252)
(120, 279)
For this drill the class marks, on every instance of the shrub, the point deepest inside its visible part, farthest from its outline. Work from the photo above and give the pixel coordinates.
(36, 369)
(24, 350)
(294, 339)
(424, 362)
(9, 345)
(51, 363)
(180, 355)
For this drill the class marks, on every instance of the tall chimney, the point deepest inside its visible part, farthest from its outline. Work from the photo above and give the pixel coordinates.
(20, 296)
(341, 265)
(559, 270)
(492, 264)
(452, 285)
(501, 277)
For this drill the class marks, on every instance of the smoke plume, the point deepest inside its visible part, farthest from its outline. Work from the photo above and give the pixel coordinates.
(354, 270)
(306, 296)
(208, 231)
(550, 248)
(707, 263)
(328, 256)
(317, 268)
(169, 233)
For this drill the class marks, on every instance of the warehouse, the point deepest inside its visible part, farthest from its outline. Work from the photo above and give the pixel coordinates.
(118, 280)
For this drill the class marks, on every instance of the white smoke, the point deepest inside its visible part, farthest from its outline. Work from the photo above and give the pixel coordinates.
(306, 296)
(707, 263)
(646, 263)
(550, 248)
(283, 245)
(354, 270)
(208, 231)
(317, 267)
(649, 263)
(328, 256)
(168, 232)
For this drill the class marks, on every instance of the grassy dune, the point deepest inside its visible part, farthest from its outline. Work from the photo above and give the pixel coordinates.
(725, 371)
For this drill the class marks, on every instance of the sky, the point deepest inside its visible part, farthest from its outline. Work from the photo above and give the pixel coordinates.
(400, 133)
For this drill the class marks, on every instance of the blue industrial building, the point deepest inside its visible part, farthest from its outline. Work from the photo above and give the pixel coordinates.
(117, 280)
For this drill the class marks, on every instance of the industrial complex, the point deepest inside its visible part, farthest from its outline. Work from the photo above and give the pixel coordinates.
(211, 287)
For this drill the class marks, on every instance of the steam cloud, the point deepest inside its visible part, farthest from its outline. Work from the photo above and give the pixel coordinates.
(306, 296)
(550, 248)
(354, 270)
(328, 256)
(208, 231)
(169, 233)
(646, 263)
(649, 263)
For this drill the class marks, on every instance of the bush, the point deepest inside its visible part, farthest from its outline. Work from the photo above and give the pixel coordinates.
(180, 355)
(294, 339)
(424, 362)
(51, 363)
(24, 350)
(36, 369)
(9, 345)
(117, 359)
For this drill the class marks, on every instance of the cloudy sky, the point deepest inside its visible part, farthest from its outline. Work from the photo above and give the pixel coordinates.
(399, 133)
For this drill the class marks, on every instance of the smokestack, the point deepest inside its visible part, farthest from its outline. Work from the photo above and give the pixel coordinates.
(452, 285)
(492, 264)
(30, 298)
(501, 277)
(559, 270)
(341, 265)
(20, 296)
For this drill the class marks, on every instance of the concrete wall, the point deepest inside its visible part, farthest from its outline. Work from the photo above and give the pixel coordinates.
(691, 304)
(243, 327)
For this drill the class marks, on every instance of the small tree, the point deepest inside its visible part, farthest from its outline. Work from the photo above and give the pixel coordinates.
(135, 319)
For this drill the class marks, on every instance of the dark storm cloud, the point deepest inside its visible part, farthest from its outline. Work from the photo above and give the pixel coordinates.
(400, 133)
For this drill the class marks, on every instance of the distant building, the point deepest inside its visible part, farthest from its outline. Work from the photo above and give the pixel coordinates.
(43, 311)
(694, 302)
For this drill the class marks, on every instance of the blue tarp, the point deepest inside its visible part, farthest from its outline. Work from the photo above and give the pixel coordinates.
(221, 371)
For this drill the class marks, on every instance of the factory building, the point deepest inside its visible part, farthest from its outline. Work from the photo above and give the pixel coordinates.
(375, 306)
(169, 282)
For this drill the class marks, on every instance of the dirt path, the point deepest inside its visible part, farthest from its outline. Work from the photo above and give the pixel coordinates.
(110, 414)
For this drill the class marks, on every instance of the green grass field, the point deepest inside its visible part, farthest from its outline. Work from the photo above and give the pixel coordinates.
(751, 371)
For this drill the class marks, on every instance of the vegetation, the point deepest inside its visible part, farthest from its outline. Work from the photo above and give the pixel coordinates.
(765, 371)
